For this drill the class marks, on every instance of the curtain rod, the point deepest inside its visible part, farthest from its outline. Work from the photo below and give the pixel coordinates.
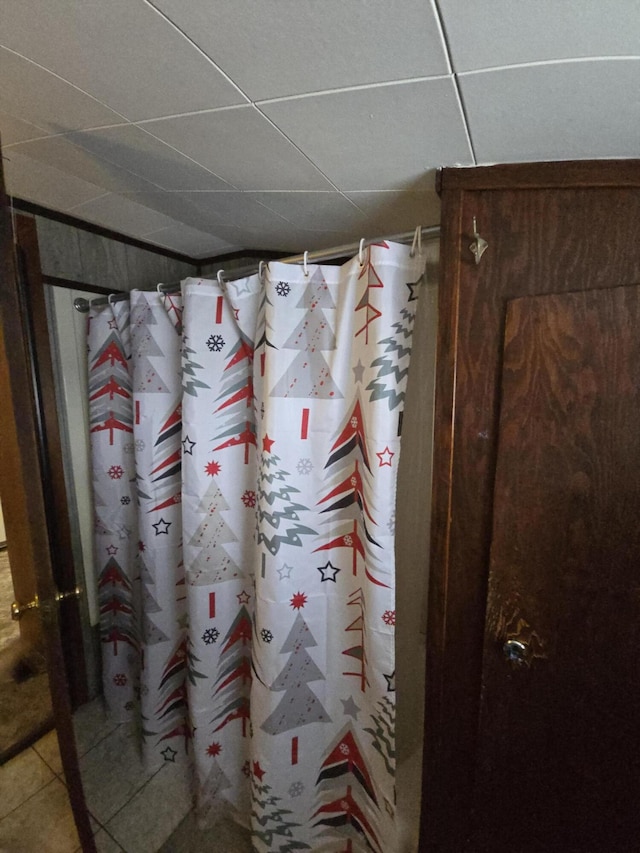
(430, 232)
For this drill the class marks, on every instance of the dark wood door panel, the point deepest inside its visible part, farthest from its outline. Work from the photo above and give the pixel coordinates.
(559, 731)
(553, 240)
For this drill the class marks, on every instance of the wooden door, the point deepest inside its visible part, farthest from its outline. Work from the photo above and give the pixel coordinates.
(558, 758)
(536, 488)
(25, 462)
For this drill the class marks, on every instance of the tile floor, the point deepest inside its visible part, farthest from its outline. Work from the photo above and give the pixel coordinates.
(131, 810)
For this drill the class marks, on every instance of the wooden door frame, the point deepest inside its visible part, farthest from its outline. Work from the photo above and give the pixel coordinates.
(460, 547)
(28, 425)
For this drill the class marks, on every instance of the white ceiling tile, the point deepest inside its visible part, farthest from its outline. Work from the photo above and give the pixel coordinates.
(241, 147)
(500, 32)
(61, 152)
(320, 211)
(190, 241)
(14, 130)
(390, 213)
(378, 138)
(307, 46)
(122, 52)
(133, 149)
(33, 94)
(122, 214)
(40, 183)
(233, 208)
(557, 111)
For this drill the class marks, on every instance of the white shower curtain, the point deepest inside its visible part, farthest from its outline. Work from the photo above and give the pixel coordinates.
(246, 440)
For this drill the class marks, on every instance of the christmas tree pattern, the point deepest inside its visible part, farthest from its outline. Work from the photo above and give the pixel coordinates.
(147, 379)
(210, 563)
(271, 822)
(238, 427)
(212, 805)
(151, 633)
(383, 733)
(299, 705)
(233, 678)
(372, 281)
(115, 601)
(110, 389)
(172, 712)
(393, 365)
(351, 812)
(166, 473)
(276, 508)
(347, 500)
(264, 329)
(309, 374)
(358, 652)
(190, 381)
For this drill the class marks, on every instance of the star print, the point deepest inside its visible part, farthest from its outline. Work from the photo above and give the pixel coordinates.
(298, 600)
(358, 371)
(236, 312)
(169, 754)
(243, 598)
(285, 571)
(111, 550)
(391, 681)
(161, 526)
(188, 445)
(113, 324)
(267, 443)
(258, 771)
(412, 294)
(350, 708)
(328, 572)
(385, 457)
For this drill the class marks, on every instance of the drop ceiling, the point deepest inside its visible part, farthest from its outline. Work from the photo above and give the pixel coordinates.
(216, 127)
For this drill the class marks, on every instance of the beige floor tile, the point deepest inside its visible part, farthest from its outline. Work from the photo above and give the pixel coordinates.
(44, 823)
(105, 843)
(48, 750)
(91, 724)
(20, 778)
(146, 822)
(112, 773)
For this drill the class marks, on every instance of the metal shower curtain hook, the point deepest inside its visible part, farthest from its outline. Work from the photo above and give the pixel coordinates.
(361, 253)
(417, 241)
(305, 267)
(479, 245)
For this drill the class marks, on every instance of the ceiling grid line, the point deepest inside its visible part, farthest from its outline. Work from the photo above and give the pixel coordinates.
(454, 77)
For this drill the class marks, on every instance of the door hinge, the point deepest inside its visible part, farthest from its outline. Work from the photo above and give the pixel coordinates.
(18, 610)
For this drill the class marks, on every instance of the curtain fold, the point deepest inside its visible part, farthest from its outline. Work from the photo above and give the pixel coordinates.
(260, 447)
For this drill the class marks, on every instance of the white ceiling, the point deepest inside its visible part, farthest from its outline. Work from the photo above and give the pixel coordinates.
(211, 127)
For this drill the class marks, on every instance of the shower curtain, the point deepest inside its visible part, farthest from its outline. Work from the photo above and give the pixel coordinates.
(245, 444)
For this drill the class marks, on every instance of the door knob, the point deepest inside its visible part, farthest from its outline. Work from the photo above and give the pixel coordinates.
(516, 651)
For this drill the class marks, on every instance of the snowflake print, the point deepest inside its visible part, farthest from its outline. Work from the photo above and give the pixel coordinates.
(214, 748)
(354, 422)
(141, 546)
(391, 524)
(210, 636)
(120, 679)
(282, 288)
(249, 498)
(116, 472)
(215, 343)
(129, 706)
(212, 468)
(298, 600)
(140, 445)
(125, 500)
(246, 769)
(304, 466)
(296, 789)
(129, 448)
(348, 540)
(344, 749)
(267, 636)
(389, 617)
